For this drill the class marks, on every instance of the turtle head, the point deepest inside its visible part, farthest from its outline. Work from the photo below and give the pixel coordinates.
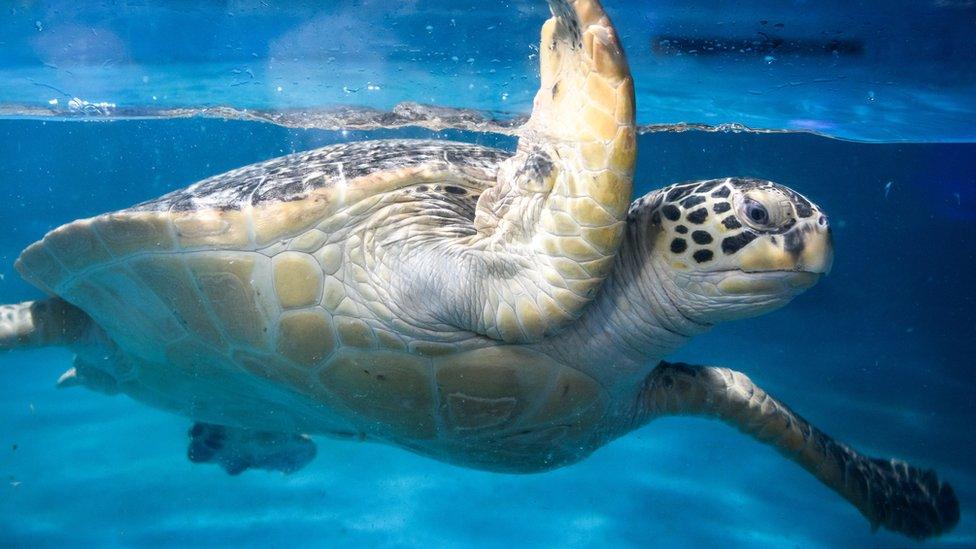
(736, 247)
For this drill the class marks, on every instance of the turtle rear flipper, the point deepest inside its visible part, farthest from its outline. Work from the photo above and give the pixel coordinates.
(888, 492)
(237, 450)
(41, 324)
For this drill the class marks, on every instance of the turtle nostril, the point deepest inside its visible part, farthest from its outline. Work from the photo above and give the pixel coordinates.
(822, 221)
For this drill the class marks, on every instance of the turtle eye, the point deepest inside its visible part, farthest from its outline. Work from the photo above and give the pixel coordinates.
(755, 212)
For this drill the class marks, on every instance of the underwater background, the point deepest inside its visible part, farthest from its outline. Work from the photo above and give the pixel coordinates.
(109, 105)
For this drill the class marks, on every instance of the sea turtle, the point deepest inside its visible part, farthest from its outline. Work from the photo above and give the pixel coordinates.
(501, 311)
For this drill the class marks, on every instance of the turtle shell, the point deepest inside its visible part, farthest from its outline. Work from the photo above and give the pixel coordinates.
(240, 300)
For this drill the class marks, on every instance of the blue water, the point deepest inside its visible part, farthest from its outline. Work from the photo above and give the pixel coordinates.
(879, 354)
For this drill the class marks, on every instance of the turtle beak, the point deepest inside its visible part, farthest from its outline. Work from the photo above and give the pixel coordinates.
(808, 248)
(817, 253)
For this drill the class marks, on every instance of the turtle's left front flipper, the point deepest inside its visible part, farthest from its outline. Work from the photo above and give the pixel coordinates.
(237, 450)
(888, 492)
(548, 230)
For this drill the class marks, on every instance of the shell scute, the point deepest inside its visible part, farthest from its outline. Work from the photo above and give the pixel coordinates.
(389, 392)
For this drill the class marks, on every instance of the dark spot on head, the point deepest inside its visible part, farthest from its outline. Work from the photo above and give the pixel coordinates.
(701, 256)
(692, 201)
(772, 239)
(708, 185)
(681, 229)
(793, 243)
(455, 190)
(679, 192)
(422, 188)
(732, 244)
(555, 90)
(701, 237)
(381, 377)
(722, 193)
(731, 222)
(721, 207)
(804, 210)
(803, 207)
(698, 216)
(679, 245)
(671, 212)
(656, 218)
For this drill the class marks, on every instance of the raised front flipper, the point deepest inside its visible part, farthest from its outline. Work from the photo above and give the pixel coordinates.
(549, 228)
(888, 492)
(237, 450)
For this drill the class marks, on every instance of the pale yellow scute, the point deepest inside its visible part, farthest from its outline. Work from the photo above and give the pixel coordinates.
(197, 359)
(273, 368)
(530, 318)
(609, 186)
(167, 276)
(623, 152)
(211, 228)
(77, 246)
(602, 126)
(588, 213)
(309, 241)
(386, 392)
(507, 323)
(297, 279)
(133, 304)
(490, 387)
(354, 332)
(571, 393)
(134, 232)
(333, 293)
(563, 224)
(37, 265)
(281, 219)
(113, 311)
(390, 341)
(470, 413)
(225, 279)
(330, 258)
(306, 337)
